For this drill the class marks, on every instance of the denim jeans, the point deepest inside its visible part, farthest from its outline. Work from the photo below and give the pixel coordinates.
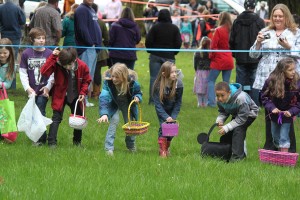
(16, 50)
(155, 63)
(128, 63)
(111, 134)
(57, 117)
(212, 77)
(245, 75)
(41, 102)
(280, 134)
(89, 56)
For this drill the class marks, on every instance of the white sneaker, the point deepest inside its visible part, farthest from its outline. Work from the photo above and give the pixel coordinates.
(110, 152)
(88, 104)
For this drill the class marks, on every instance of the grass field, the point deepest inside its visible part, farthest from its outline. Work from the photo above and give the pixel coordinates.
(69, 172)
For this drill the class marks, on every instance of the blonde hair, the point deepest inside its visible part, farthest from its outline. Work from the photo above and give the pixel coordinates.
(72, 11)
(10, 60)
(162, 81)
(289, 20)
(120, 70)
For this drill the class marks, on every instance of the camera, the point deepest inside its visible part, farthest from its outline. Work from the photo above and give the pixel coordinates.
(267, 36)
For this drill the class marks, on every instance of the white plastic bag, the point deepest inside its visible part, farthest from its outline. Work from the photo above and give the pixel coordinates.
(31, 120)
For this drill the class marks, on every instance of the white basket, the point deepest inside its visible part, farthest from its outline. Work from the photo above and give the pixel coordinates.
(76, 121)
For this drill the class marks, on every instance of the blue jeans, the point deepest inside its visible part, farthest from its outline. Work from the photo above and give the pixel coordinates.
(111, 134)
(245, 75)
(280, 134)
(212, 77)
(128, 63)
(89, 56)
(155, 63)
(41, 103)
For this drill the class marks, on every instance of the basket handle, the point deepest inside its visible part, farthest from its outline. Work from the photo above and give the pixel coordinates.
(210, 130)
(3, 92)
(76, 108)
(174, 121)
(140, 111)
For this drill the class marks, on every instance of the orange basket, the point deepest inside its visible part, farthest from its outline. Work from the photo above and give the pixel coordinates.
(135, 127)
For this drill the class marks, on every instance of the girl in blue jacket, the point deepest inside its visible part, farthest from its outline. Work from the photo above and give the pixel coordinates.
(119, 89)
(167, 97)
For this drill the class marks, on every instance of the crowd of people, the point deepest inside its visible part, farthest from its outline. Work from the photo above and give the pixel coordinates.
(266, 74)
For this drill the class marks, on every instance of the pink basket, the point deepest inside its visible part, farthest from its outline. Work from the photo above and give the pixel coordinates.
(278, 158)
(170, 129)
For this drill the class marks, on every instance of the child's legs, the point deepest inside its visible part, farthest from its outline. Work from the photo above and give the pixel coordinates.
(130, 142)
(77, 134)
(212, 77)
(199, 98)
(284, 141)
(111, 132)
(238, 138)
(41, 103)
(56, 119)
(275, 130)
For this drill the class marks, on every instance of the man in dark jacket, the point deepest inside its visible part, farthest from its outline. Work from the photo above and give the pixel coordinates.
(243, 34)
(162, 35)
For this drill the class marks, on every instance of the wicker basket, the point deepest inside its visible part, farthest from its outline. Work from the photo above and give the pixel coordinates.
(170, 129)
(135, 127)
(77, 121)
(278, 158)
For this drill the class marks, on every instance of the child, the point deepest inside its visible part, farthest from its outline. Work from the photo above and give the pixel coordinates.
(176, 20)
(280, 97)
(201, 65)
(7, 61)
(119, 89)
(71, 81)
(167, 97)
(32, 60)
(233, 101)
(186, 32)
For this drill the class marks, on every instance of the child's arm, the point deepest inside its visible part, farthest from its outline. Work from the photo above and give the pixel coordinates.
(196, 60)
(24, 75)
(137, 93)
(266, 99)
(159, 106)
(49, 67)
(104, 100)
(178, 100)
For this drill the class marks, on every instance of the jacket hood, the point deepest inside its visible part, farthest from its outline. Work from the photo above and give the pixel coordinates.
(164, 16)
(127, 23)
(235, 89)
(247, 18)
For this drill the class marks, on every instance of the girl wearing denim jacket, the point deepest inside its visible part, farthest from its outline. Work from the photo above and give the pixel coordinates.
(119, 89)
(167, 97)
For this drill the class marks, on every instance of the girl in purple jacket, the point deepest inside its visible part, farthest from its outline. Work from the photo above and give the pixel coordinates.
(280, 97)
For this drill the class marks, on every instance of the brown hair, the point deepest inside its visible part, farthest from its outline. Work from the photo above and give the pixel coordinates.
(11, 59)
(67, 56)
(225, 20)
(36, 32)
(222, 86)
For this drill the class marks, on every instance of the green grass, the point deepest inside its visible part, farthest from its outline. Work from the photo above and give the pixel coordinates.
(69, 172)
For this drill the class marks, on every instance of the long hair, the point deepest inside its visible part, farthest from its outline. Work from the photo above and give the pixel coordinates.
(225, 20)
(162, 80)
(70, 14)
(11, 59)
(204, 44)
(289, 20)
(277, 78)
(127, 13)
(120, 70)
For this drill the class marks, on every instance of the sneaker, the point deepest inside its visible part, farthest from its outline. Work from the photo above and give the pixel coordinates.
(110, 152)
(52, 146)
(132, 150)
(88, 104)
(37, 144)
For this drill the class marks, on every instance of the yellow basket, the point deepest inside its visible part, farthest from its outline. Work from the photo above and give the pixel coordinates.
(135, 127)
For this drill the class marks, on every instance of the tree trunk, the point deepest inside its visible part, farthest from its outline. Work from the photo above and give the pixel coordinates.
(138, 13)
(291, 4)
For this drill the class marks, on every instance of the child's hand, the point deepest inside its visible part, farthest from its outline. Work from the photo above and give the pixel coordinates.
(104, 118)
(45, 91)
(220, 124)
(276, 110)
(136, 99)
(30, 91)
(221, 131)
(56, 51)
(169, 119)
(80, 97)
(287, 113)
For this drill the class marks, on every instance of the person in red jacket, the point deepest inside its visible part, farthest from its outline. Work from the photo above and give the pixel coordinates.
(220, 61)
(72, 79)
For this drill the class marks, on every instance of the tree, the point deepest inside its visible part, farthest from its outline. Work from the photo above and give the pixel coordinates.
(291, 4)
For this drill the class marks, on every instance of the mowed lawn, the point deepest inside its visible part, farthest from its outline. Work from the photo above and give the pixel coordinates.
(68, 172)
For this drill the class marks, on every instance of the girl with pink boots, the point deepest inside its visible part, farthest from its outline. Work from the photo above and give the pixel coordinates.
(167, 95)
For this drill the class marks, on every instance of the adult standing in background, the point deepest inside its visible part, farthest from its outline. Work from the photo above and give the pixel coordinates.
(243, 34)
(48, 18)
(12, 19)
(150, 12)
(262, 12)
(164, 35)
(68, 27)
(176, 6)
(192, 9)
(124, 33)
(113, 10)
(87, 34)
(220, 61)
(280, 36)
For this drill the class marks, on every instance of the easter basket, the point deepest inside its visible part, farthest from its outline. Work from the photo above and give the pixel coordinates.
(278, 158)
(135, 127)
(77, 121)
(170, 128)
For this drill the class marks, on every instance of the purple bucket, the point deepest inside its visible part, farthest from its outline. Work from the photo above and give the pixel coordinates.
(169, 129)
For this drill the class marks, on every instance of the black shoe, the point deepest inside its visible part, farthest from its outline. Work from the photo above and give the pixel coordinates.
(52, 146)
